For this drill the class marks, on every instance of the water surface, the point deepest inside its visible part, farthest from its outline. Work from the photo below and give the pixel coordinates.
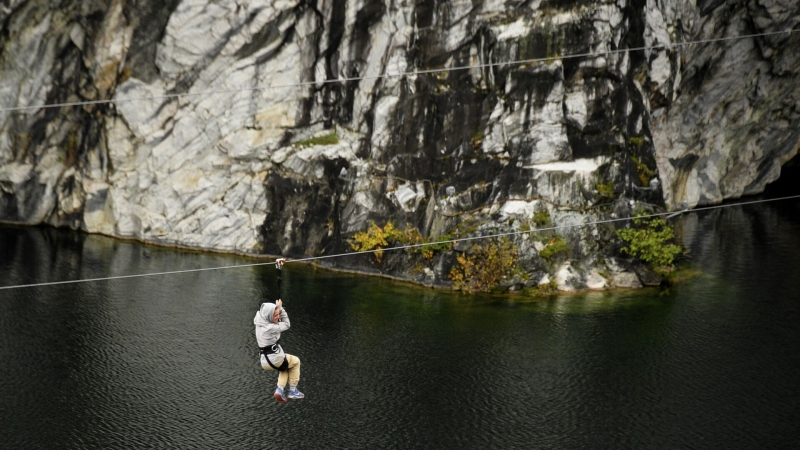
(170, 361)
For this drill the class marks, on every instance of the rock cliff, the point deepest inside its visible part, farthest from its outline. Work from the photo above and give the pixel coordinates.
(267, 126)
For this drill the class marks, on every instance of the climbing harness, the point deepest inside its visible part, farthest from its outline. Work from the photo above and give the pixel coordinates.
(271, 350)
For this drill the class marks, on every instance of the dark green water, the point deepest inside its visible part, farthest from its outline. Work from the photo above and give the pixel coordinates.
(170, 361)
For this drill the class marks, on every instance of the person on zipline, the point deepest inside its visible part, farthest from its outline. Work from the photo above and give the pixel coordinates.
(270, 321)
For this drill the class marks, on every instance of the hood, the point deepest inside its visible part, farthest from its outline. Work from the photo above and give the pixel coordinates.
(267, 311)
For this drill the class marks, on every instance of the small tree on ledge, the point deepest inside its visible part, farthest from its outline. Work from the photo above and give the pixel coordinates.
(650, 240)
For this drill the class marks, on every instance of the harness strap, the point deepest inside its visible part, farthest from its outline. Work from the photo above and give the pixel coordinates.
(266, 351)
(282, 368)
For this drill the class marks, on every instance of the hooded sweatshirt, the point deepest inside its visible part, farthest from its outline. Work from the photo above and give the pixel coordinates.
(268, 333)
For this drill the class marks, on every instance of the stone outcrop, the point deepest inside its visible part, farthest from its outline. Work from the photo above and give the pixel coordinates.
(266, 127)
(733, 115)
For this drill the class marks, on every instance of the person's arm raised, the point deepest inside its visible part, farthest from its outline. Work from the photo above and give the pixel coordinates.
(283, 323)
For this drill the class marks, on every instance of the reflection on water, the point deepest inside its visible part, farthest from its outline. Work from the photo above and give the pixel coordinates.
(170, 361)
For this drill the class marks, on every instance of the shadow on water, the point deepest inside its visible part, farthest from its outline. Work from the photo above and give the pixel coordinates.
(170, 361)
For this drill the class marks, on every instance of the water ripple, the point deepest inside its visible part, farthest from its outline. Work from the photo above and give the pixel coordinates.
(171, 363)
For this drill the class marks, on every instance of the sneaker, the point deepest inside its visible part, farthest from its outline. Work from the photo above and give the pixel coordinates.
(295, 394)
(279, 395)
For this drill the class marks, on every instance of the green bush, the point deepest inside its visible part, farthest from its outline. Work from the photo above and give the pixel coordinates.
(541, 218)
(650, 240)
(553, 248)
(485, 266)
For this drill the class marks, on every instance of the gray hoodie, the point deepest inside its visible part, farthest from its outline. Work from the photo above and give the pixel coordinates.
(268, 332)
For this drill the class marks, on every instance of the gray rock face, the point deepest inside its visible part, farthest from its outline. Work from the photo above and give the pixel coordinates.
(733, 121)
(231, 128)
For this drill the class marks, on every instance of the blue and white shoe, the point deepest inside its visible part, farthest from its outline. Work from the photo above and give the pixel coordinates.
(279, 395)
(295, 394)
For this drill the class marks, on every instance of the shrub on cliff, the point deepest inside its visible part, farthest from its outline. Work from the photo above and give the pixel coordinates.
(377, 238)
(650, 240)
(554, 247)
(484, 267)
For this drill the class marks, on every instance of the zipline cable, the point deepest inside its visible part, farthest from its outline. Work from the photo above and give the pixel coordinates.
(513, 233)
(394, 75)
